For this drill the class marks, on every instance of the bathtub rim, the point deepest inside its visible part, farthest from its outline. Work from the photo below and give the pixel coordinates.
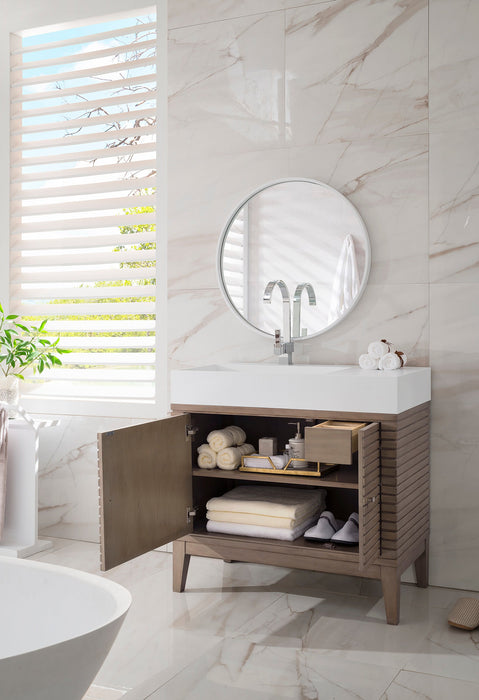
(121, 596)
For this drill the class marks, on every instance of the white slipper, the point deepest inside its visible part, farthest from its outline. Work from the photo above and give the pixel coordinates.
(325, 528)
(349, 534)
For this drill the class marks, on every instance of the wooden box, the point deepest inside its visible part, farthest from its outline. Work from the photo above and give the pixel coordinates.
(332, 441)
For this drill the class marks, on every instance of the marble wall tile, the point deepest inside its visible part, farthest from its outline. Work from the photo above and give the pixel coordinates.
(203, 330)
(343, 84)
(183, 13)
(454, 65)
(454, 438)
(454, 206)
(68, 479)
(225, 85)
(396, 312)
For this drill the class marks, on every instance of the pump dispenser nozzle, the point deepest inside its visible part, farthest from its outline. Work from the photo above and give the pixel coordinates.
(297, 443)
(298, 430)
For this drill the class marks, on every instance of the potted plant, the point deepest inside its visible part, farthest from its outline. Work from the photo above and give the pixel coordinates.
(23, 347)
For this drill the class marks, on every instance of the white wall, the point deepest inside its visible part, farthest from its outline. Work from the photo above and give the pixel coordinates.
(376, 99)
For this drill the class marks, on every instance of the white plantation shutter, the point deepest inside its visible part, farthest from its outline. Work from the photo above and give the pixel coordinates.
(83, 203)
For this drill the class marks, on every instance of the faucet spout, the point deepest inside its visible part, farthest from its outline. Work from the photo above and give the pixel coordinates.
(297, 305)
(286, 305)
(287, 346)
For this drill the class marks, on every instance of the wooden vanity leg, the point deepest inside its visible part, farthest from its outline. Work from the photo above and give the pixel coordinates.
(390, 580)
(181, 561)
(421, 567)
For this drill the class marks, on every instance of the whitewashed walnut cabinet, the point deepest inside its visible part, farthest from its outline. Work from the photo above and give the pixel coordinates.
(152, 493)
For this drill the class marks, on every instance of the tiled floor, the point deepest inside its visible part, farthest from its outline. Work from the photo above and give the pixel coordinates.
(251, 632)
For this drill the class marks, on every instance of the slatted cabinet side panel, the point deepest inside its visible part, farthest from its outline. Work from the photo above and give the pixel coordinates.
(369, 493)
(405, 481)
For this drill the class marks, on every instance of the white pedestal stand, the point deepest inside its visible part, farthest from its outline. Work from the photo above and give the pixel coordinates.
(20, 532)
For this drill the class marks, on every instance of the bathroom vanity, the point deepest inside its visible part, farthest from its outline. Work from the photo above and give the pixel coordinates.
(151, 491)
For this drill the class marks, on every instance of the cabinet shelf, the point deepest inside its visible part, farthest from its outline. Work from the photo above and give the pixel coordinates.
(342, 478)
(300, 546)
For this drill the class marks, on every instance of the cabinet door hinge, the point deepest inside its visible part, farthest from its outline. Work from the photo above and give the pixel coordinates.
(190, 513)
(191, 431)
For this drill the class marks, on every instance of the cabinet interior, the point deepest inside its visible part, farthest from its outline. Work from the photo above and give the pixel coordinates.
(341, 485)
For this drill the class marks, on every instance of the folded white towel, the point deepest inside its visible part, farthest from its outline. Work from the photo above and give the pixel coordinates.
(379, 348)
(238, 434)
(206, 457)
(279, 461)
(281, 501)
(367, 361)
(221, 516)
(219, 439)
(393, 360)
(274, 533)
(229, 458)
(246, 449)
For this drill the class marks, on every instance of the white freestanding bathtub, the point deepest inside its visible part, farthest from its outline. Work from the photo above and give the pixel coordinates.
(56, 628)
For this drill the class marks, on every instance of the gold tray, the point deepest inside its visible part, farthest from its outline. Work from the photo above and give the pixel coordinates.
(315, 468)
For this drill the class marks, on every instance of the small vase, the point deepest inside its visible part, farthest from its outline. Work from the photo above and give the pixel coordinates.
(10, 393)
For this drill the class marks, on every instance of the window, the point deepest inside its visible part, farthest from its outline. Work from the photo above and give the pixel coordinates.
(83, 212)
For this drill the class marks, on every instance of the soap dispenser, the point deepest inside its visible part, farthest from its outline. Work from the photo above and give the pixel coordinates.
(297, 443)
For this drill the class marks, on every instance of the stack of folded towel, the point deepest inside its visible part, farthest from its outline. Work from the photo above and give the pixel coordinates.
(382, 354)
(224, 448)
(281, 513)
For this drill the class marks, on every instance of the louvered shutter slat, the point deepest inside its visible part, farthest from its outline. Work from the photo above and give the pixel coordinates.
(83, 219)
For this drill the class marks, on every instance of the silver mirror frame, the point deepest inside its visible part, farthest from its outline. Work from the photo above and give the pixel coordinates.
(219, 257)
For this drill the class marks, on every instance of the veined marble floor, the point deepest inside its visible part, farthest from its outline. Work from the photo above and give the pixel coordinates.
(253, 632)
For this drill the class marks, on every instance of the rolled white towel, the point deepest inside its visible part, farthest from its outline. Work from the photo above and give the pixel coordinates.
(367, 361)
(220, 439)
(206, 457)
(392, 360)
(229, 458)
(379, 348)
(246, 449)
(238, 434)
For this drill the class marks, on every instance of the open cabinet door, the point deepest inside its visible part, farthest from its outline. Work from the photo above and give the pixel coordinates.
(145, 488)
(369, 495)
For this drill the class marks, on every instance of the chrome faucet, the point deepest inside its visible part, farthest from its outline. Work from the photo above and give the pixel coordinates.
(282, 346)
(297, 306)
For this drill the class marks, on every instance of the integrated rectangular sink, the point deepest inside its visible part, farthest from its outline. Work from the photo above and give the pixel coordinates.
(302, 387)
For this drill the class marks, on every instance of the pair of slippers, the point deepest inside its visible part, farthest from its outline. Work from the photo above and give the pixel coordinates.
(329, 529)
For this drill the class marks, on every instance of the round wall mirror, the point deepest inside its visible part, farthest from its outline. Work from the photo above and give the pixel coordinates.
(305, 234)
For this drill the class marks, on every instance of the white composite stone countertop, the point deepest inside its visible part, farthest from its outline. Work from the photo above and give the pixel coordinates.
(302, 387)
